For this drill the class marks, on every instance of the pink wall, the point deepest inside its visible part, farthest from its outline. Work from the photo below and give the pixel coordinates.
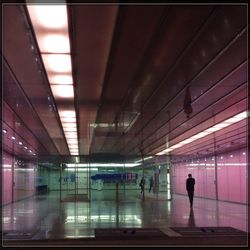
(231, 176)
(24, 180)
(7, 179)
(203, 172)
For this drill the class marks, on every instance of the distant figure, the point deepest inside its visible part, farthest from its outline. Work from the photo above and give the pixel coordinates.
(151, 183)
(190, 182)
(142, 184)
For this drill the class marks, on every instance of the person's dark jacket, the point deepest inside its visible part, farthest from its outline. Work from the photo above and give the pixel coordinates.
(190, 184)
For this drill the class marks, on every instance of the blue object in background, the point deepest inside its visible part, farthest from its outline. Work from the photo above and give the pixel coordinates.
(72, 178)
(113, 177)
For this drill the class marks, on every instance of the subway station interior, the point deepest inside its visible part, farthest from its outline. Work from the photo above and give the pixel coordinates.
(97, 97)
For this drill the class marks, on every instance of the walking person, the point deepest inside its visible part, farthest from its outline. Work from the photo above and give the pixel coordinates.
(151, 184)
(190, 182)
(142, 184)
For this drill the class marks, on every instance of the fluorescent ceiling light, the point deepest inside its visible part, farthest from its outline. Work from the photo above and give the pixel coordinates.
(69, 129)
(69, 125)
(54, 43)
(70, 165)
(67, 113)
(57, 63)
(200, 135)
(68, 119)
(73, 136)
(72, 141)
(70, 133)
(208, 131)
(72, 151)
(48, 16)
(62, 91)
(177, 145)
(161, 153)
(50, 24)
(72, 148)
(81, 169)
(145, 159)
(60, 78)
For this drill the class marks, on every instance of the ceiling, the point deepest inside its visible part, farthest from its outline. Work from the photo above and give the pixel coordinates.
(132, 68)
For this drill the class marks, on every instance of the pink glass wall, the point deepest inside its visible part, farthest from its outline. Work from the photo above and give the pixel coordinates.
(231, 176)
(7, 179)
(203, 172)
(19, 184)
(24, 179)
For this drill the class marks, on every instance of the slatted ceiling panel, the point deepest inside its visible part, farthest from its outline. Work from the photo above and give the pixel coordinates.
(224, 140)
(125, 63)
(209, 146)
(17, 110)
(18, 52)
(131, 39)
(238, 47)
(163, 50)
(181, 132)
(158, 100)
(12, 123)
(166, 49)
(93, 28)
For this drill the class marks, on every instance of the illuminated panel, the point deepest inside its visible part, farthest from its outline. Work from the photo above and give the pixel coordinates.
(48, 17)
(62, 91)
(57, 63)
(206, 132)
(50, 23)
(55, 78)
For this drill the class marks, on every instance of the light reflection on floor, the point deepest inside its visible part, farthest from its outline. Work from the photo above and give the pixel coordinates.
(45, 217)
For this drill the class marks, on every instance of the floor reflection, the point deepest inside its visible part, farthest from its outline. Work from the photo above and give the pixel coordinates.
(191, 220)
(49, 218)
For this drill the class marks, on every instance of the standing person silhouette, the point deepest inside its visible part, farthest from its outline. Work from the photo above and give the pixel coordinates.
(190, 182)
(151, 184)
(142, 184)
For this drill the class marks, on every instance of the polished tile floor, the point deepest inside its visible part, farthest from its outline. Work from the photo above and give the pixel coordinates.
(45, 217)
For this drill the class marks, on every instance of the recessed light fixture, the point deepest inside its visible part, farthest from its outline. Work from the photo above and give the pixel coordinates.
(50, 23)
(208, 131)
(60, 78)
(62, 91)
(53, 43)
(48, 17)
(57, 63)
(4, 131)
(20, 143)
(13, 137)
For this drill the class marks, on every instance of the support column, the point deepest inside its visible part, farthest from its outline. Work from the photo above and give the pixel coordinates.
(215, 169)
(61, 181)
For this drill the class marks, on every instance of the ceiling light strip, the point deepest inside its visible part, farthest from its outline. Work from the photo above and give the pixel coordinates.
(206, 132)
(72, 165)
(50, 23)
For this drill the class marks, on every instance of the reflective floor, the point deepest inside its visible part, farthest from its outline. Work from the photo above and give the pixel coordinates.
(44, 216)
